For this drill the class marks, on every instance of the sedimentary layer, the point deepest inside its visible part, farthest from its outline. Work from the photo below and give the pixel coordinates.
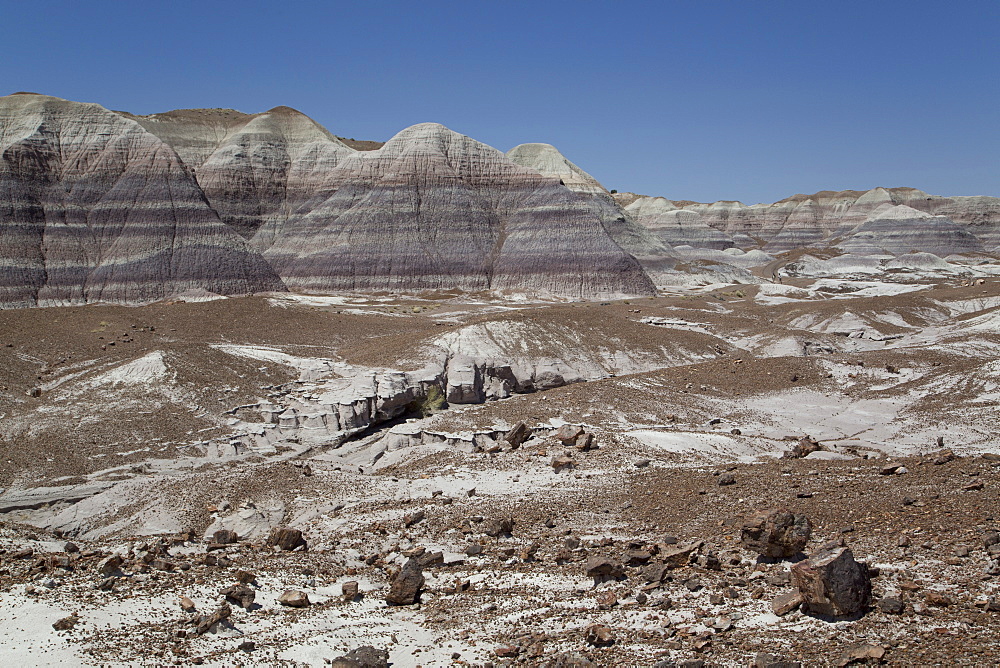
(95, 208)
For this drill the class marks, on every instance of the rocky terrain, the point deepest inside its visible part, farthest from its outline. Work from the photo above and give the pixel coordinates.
(293, 479)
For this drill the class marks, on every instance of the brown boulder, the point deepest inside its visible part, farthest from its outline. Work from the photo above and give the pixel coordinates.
(832, 583)
(518, 435)
(294, 598)
(241, 595)
(805, 446)
(225, 537)
(405, 587)
(786, 602)
(206, 622)
(350, 590)
(599, 635)
(604, 569)
(568, 434)
(286, 538)
(776, 533)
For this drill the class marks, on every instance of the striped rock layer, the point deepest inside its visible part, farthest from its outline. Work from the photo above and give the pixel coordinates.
(825, 218)
(108, 206)
(95, 208)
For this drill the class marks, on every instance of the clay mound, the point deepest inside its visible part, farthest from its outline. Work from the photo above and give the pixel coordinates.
(826, 217)
(254, 169)
(655, 256)
(547, 160)
(435, 209)
(677, 227)
(95, 208)
(895, 230)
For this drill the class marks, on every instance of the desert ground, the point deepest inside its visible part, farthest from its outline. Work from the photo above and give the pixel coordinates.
(570, 480)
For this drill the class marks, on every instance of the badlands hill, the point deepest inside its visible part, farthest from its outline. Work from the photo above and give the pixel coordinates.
(108, 206)
(825, 218)
(105, 206)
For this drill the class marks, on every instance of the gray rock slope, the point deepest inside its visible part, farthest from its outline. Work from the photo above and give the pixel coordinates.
(95, 208)
(255, 169)
(895, 230)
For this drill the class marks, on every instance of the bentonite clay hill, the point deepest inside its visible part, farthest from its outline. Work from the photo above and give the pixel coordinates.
(822, 219)
(99, 206)
(105, 206)
(737, 476)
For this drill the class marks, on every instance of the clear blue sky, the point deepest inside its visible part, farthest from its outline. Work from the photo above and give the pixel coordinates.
(753, 100)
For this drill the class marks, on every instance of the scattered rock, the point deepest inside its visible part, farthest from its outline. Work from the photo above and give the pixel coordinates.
(606, 600)
(776, 533)
(569, 433)
(110, 565)
(678, 556)
(507, 651)
(241, 595)
(225, 537)
(803, 447)
(293, 598)
(765, 660)
(785, 603)
(991, 604)
(406, 585)
(937, 599)
(286, 538)
(363, 657)
(942, 456)
(499, 527)
(561, 462)
(412, 518)
(572, 660)
(207, 622)
(599, 635)
(66, 623)
(604, 569)
(350, 590)
(890, 605)
(832, 583)
(859, 653)
(516, 436)
(245, 577)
